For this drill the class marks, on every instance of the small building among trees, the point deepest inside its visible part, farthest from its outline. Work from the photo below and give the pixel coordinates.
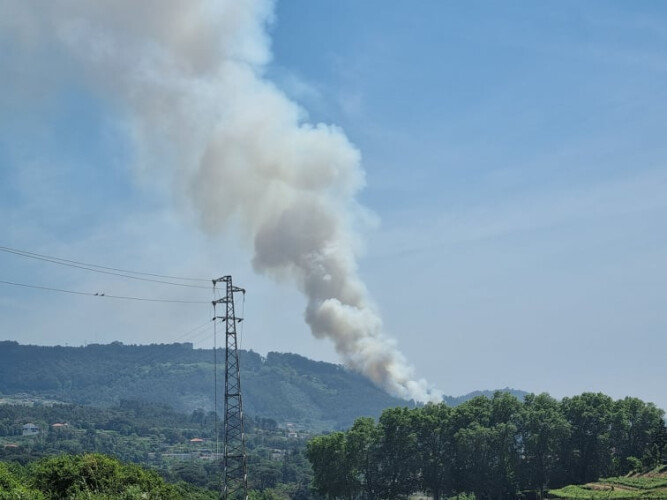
(30, 430)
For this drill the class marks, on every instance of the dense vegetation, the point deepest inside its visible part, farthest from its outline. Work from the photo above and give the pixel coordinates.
(152, 405)
(178, 447)
(285, 387)
(90, 476)
(493, 448)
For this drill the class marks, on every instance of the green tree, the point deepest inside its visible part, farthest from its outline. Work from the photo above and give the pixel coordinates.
(333, 476)
(67, 476)
(487, 446)
(656, 452)
(473, 453)
(435, 447)
(543, 431)
(11, 484)
(588, 451)
(634, 425)
(397, 455)
(504, 460)
(362, 442)
(506, 413)
(191, 472)
(265, 476)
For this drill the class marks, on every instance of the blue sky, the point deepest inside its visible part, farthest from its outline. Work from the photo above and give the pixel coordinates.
(515, 172)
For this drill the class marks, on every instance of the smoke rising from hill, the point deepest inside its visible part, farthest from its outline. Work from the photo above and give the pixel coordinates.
(187, 75)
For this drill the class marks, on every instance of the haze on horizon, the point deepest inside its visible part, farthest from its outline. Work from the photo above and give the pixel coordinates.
(511, 221)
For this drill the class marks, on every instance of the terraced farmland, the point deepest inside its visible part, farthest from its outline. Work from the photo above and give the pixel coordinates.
(650, 485)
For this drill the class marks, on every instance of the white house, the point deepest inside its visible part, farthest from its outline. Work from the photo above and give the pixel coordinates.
(30, 430)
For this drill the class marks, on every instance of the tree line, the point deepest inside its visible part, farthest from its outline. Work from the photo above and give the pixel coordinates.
(494, 448)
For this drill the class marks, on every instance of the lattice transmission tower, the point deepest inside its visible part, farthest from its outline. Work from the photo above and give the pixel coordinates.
(235, 467)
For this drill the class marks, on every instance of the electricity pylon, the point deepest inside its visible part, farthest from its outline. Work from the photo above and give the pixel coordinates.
(235, 473)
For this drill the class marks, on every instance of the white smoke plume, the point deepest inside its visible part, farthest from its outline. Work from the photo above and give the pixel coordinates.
(188, 75)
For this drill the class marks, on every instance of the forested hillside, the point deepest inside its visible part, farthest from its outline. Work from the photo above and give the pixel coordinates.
(280, 386)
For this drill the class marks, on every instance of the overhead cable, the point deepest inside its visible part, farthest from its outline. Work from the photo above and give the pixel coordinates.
(104, 269)
(103, 295)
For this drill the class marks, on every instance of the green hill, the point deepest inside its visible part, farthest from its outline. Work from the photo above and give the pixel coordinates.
(285, 387)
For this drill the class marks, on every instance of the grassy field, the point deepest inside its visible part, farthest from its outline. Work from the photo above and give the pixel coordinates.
(650, 485)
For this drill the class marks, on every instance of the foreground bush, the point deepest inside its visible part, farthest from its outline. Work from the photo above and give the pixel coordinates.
(11, 484)
(90, 477)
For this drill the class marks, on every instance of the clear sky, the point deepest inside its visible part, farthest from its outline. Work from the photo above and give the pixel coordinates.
(515, 187)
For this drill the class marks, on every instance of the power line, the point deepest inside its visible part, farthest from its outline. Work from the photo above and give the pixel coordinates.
(191, 335)
(103, 295)
(104, 269)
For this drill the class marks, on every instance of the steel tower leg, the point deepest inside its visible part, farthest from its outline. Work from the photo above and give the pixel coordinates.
(235, 474)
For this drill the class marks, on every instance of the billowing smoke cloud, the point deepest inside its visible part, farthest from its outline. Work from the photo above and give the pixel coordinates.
(188, 77)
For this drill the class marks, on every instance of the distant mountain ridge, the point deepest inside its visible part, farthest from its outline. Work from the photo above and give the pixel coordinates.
(285, 387)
